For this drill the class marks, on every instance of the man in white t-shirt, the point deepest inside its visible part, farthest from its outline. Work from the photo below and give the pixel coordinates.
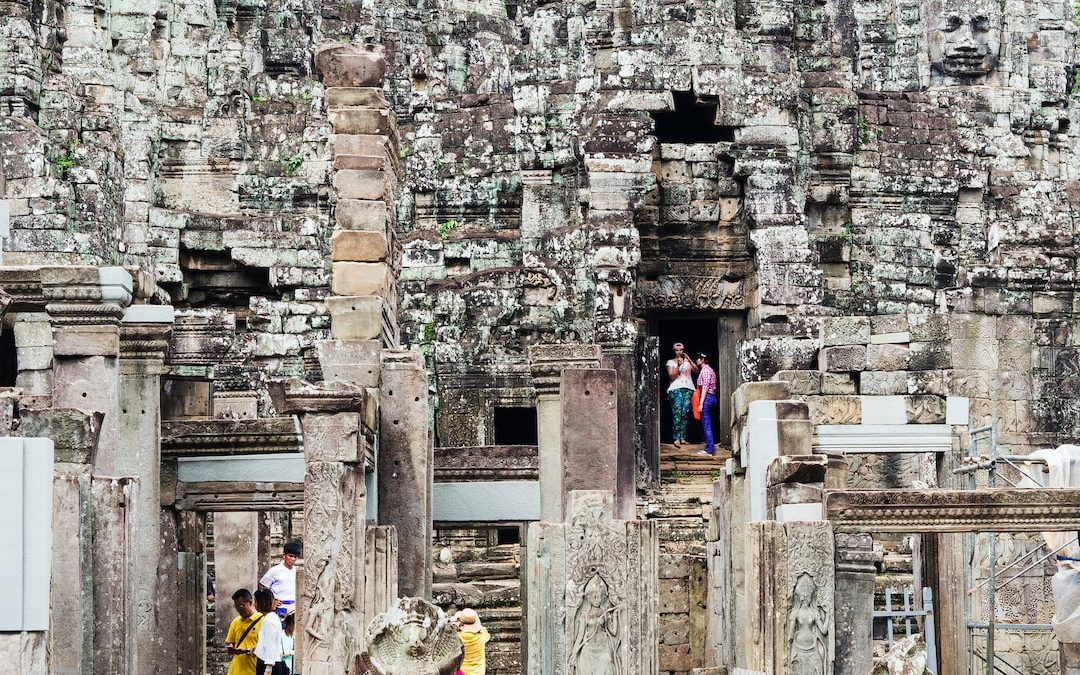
(281, 579)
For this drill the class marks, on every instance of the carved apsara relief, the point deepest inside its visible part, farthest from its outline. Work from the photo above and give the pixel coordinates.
(808, 629)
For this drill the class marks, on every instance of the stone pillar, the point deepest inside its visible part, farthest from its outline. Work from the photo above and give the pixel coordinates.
(85, 305)
(71, 595)
(236, 563)
(621, 360)
(592, 580)
(144, 334)
(720, 545)
(113, 525)
(856, 566)
(789, 583)
(547, 363)
(380, 571)
(330, 609)
(406, 467)
(590, 433)
(190, 592)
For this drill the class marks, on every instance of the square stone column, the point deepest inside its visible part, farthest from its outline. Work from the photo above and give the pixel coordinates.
(590, 434)
(593, 605)
(144, 335)
(547, 363)
(406, 467)
(85, 306)
(856, 567)
(790, 588)
(330, 610)
(71, 602)
(113, 525)
(236, 563)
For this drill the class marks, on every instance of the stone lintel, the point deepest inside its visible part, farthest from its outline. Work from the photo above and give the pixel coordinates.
(487, 462)
(180, 438)
(982, 510)
(74, 433)
(548, 361)
(294, 396)
(214, 496)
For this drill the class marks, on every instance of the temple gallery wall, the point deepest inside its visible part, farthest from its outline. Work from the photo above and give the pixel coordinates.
(401, 283)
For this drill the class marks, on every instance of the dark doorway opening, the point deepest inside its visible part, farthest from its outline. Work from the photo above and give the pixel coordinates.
(719, 334)
(692, 121)
(697, 334)
(9, 366)
(515, 426)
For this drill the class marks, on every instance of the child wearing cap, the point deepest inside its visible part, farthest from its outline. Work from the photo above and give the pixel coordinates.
(473, 636)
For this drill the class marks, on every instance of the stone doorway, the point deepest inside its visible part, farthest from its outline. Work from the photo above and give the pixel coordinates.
(479, 566)
(717, 333)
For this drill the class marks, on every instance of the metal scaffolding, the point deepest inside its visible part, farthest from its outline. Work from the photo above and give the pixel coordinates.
(986, 438)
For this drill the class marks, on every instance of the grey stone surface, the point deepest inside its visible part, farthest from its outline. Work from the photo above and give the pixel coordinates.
(590, 433)
(406, 471)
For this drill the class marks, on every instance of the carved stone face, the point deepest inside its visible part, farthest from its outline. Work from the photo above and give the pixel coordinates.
(965, 37)
(596, 591)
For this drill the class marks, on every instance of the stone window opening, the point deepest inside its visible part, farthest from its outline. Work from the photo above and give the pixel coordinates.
(9, 362)
(515, 426)
(692, 121)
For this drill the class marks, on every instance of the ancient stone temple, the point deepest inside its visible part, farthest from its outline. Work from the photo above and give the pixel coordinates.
(423, 290)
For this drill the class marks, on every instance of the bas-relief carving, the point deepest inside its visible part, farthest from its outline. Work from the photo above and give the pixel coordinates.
(597, 577)
(810, 599)
(412, 638)
(596, 632)
(808, 629)
(964, 38)
(671, 291)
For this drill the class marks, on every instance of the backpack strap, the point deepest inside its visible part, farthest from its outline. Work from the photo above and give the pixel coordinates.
(245, 633)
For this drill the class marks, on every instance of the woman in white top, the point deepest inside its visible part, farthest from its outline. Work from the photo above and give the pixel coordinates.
(680, 369)
(269, 650)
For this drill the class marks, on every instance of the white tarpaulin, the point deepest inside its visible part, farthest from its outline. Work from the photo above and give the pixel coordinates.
(1063, 464)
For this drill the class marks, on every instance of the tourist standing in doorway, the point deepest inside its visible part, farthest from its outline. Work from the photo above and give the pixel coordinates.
(270, 647)
(473, 636)
(680, 369)
(281, 579)
(706, 383)
(243, 634)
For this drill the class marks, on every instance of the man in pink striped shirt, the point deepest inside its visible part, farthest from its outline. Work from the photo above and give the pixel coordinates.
(706, 382)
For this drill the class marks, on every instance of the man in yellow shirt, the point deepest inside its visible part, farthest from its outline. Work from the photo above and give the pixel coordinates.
(473, 636)
(243, 634)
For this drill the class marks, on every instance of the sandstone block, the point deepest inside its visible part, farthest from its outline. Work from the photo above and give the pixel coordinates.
(842, 359)
(925, 409)
(356, 318)
(930, 356)
(749, 392)
(887, 357)
(837, 383)
(888, 323)
(360, 184)
(845, 330)
(358, 246)
(362, 162)
(800, 382)
(361, 278)
(798, 469)
(372, 121)
(355, 214)
(347, 65)
(33, 334)
(87, 341)
(350, 361)
(795, 436)
(360, 144)
(345, 97)
(792, 410)
(875, 383)
(331, 437)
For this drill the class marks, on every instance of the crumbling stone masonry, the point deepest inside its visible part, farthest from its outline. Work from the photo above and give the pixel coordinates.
(322, 244)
